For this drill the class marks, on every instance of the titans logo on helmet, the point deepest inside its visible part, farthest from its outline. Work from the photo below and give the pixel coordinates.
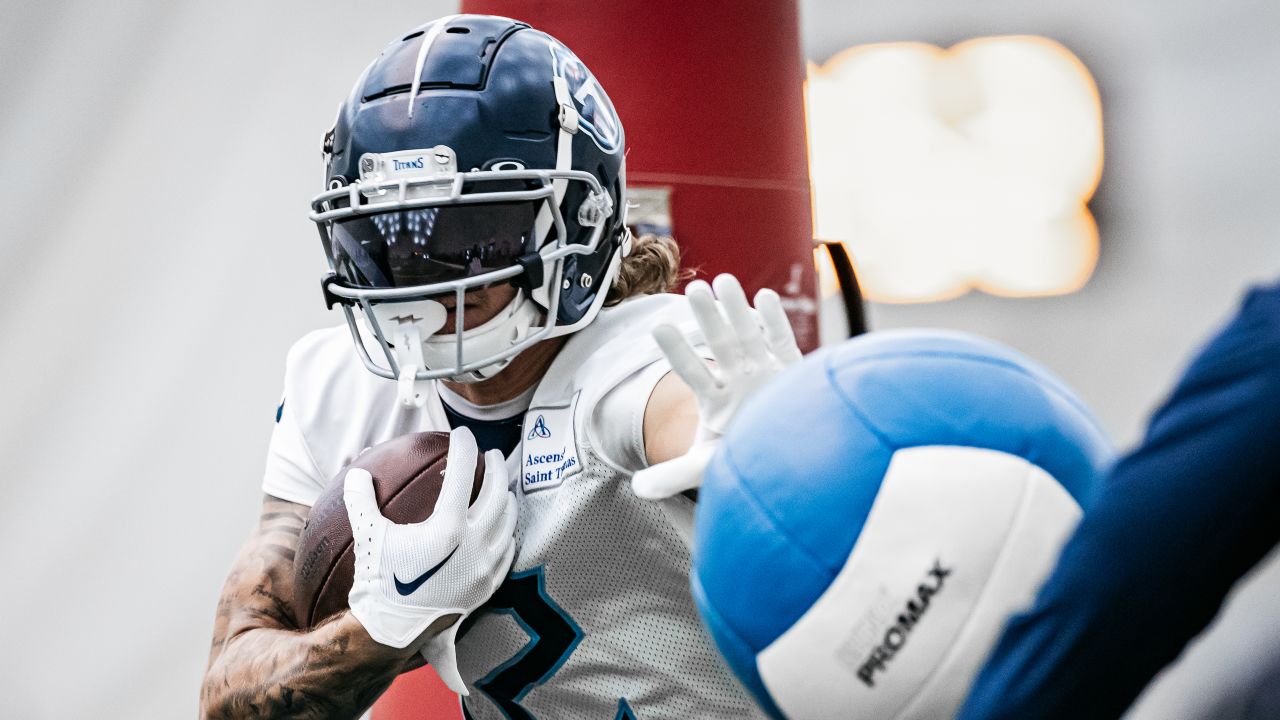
(596, 116)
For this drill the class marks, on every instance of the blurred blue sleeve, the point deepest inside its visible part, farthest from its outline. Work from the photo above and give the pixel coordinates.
(1181, 518)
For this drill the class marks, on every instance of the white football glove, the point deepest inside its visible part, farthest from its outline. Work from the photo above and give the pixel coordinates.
(748, 348)
(408, 576)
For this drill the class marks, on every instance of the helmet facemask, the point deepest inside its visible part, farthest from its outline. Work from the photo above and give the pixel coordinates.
(412, 229)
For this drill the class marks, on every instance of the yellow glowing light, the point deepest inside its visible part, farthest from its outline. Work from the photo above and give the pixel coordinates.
(949, 170)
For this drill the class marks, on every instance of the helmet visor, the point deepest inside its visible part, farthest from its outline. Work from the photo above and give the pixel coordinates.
(431, 245)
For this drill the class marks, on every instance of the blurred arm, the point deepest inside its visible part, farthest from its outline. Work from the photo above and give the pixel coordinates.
(1181, 518)
(262, 666)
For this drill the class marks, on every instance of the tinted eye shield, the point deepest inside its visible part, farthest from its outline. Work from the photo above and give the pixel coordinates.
(363, 199)
(424, 246)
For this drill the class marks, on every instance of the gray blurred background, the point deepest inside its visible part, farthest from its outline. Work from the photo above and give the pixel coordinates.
(158, 158)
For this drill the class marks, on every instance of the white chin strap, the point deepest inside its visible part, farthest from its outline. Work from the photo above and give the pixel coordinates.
(492, 340)
(411, 328)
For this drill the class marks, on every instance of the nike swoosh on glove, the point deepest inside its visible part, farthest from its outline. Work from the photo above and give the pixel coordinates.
(408, 576)
(748, 348)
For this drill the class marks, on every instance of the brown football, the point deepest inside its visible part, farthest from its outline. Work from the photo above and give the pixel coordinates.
(407, 474)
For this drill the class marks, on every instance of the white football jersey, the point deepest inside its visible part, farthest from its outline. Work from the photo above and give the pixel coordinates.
(595, 620)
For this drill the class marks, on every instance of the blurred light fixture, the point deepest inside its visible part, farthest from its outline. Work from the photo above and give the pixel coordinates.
(947, 170)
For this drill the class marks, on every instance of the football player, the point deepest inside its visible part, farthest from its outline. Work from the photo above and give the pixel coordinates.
(474, 220)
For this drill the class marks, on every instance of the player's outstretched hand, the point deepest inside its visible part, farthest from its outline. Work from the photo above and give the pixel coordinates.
(409, 576)
(748, 348)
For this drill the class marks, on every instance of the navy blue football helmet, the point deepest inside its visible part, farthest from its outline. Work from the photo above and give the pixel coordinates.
(474, 150)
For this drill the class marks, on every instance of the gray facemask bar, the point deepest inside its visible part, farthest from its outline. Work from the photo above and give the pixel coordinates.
(323, 215)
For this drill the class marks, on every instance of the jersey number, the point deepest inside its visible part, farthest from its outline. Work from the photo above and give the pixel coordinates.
(553, 635)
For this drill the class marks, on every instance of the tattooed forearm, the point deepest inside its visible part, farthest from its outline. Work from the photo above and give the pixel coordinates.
(334, 671)
(260, 585)
(262, 666)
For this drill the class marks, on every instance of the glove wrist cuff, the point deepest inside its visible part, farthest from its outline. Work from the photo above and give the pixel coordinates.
(396, 626)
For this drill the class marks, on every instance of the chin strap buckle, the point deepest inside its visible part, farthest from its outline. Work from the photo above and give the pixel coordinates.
(568, 111)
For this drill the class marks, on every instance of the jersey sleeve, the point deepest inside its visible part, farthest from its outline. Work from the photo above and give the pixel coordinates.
(617, 424)
(292, 472)
(1180, 519)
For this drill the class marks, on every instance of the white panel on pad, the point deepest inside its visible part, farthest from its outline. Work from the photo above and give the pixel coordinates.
(952, 528)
